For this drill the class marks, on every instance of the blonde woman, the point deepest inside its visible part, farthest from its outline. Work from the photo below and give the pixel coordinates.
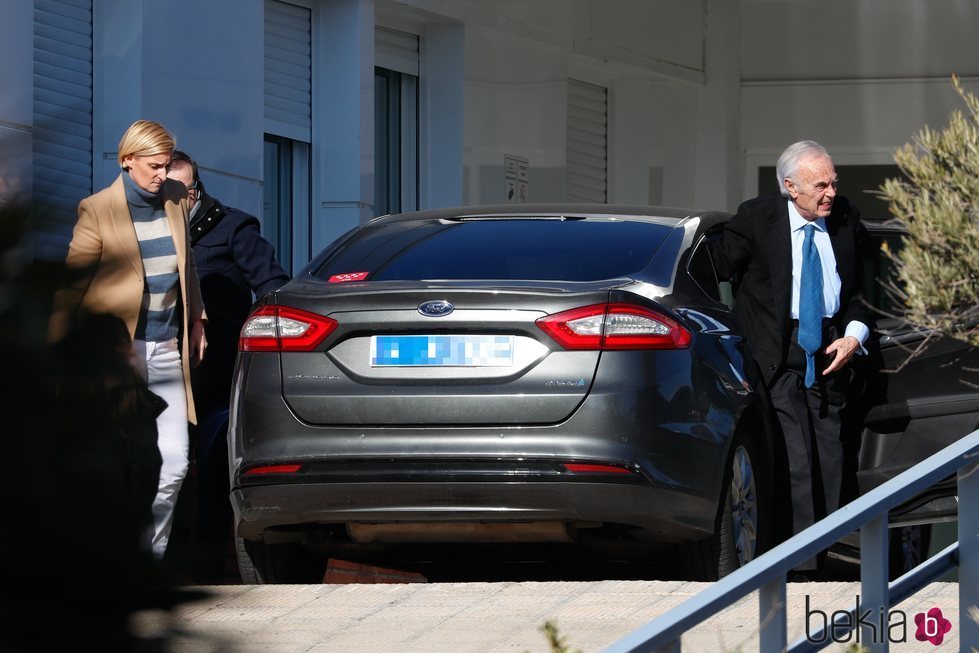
(131, 254)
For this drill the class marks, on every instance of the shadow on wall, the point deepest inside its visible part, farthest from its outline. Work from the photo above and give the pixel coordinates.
(80, 445)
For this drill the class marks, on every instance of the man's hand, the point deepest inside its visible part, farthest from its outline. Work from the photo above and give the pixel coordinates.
(198, 342)
(844, 348)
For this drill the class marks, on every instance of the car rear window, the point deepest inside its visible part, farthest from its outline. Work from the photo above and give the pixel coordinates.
(545, 249)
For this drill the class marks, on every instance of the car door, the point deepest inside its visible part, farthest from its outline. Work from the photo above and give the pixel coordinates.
(919, 391)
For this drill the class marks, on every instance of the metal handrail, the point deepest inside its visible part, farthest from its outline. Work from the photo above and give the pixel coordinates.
(767, 573)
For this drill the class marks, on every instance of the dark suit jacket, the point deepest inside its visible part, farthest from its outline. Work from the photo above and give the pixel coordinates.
(233, 261)
(755, 253)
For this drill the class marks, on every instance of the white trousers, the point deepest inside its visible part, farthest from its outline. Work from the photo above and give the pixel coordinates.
(164, 374)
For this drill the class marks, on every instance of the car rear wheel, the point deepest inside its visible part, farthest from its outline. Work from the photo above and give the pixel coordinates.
(267, 564)
(738, 537)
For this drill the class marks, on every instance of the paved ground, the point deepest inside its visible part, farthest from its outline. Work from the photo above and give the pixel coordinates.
(488, 617)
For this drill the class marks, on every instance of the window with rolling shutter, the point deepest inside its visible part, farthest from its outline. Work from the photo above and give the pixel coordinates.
(288, 129)
(587, 151)
(62, 131)
(396, 62)
(396, 50)
(288, 71)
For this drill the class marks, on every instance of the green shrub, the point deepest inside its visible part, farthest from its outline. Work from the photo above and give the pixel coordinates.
(938, 202)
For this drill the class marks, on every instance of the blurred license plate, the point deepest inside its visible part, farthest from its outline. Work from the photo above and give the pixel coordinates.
(441, 351)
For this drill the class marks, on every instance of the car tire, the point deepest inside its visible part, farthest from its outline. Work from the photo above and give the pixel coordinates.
(739, 535)
(270, 564)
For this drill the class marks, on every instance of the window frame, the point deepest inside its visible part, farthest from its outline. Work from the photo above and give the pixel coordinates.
(719, 296)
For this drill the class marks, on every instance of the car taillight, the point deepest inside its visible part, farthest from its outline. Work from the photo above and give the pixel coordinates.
(282, 328)
(614, 326)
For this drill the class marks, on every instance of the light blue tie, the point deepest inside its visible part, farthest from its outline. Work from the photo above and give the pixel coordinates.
(810, 304)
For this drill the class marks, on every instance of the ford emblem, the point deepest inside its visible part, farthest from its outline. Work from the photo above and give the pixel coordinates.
(436, 308)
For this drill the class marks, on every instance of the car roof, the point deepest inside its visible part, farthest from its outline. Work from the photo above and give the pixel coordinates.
(674, 214)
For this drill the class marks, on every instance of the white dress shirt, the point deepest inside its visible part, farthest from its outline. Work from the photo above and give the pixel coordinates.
(831, 277)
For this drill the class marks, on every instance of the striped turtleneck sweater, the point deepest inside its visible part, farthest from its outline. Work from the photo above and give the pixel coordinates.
(158, 313)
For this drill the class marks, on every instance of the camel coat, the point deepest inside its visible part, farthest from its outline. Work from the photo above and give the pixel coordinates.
(104, 252)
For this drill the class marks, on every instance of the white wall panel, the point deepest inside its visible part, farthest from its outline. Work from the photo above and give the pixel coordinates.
(515, 104)
(665, 30)
(655, 127)
(343, 118)
(858, 123)
(442, 115)
(210, 93)
(844, 39)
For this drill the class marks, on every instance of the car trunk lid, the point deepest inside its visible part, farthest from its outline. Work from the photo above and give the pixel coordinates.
(437, 354)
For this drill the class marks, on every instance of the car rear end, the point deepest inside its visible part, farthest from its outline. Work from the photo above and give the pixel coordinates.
(480, 378)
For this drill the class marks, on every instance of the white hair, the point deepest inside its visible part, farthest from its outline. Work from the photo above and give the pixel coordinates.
(788, 162)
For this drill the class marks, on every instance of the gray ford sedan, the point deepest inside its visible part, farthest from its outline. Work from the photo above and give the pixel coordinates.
(532, 374)
(513, 373)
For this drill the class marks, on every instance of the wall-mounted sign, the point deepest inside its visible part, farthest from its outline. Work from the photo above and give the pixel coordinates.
(515, 177)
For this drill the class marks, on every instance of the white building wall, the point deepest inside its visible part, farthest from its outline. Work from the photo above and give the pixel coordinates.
(197, 71)
(718, 111)
(858, 39)
(117, 81)
(859, 76)
(650, 57)
(515, 96)
(655, 132)
(442, 115)
(343, 118)
(700, 93)
(494, 83)
(208, 67)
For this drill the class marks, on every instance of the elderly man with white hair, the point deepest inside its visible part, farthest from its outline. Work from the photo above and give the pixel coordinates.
(792, 257)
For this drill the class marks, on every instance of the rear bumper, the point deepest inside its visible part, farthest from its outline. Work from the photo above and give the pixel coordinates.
(662, 515)
(647, 419)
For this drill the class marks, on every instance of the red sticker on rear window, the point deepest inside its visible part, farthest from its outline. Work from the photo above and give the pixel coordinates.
(349, 276)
